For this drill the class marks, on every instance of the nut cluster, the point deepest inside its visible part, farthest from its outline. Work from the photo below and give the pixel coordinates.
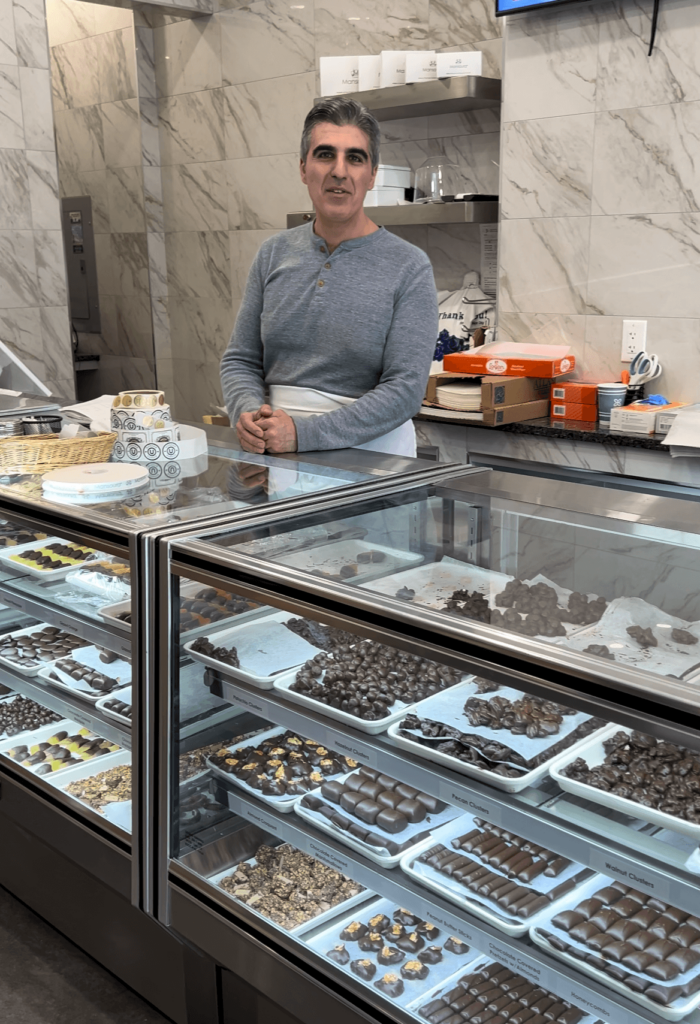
(530, 716)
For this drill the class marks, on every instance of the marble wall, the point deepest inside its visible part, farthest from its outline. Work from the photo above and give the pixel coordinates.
(599, 184)
(233, 90)
(99, 140)
(33, 298)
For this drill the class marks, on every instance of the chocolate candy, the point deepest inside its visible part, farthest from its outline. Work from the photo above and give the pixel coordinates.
(455, 945)
(430, 955)
(389, 955)
(364, 969)
(368, 811)
(411, 942)
(387, 819)
(391, 985)
(414, 970)
(371, 942)
(339, 954)
(428, 930)
(354, 931)
(379, 923)
(412, 810)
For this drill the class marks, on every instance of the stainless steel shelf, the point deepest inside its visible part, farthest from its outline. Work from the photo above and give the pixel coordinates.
(535, 814)
(419, 213)
(442, 96)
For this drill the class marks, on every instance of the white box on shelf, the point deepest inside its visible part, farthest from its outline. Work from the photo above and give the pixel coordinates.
(385, 197)
(421, 66)
(370, 69)
(393, 176)
(339, 75)
(453, 65)
(393, 68)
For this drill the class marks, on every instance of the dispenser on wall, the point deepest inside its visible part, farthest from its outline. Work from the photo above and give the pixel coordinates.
(79, 244)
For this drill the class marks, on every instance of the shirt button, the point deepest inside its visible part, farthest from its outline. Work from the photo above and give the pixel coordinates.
(322, 249)
(320, 284)
(327, 266)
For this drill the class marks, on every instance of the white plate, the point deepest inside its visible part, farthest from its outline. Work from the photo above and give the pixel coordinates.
(42, 735)
(675, 1011)
(413, 990)
(34, 670)
(462, 897)
(7, 556)
(593, 752)
(508, 785)
(284, 648)
(122, 695)
(22, 737)
(90, 768)
(330, 558)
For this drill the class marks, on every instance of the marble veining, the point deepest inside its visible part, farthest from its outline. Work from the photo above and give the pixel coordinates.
(117, 65)
(267, 39)
(55, 335)
(42, 178)
(68, 20)
(76, 74)
(157, 266)
(126, 203)
(198, 264)
(50, 267)
(130, 262)
(453, 249)
(188, 56)
(544, 265)
(15, 211)
(201, 328)
(162, 333)
(134, 326)
(476, 155)
(8, 43)
(367, 27)
(35, 88)
(18, 277)
(80, 139)
(121, 130)
(548, 329)
(20, 330)
(153, 198)
(262, 190)
(192, 128)
(257, 124)
(451, 23)
(30, 33)
(11, 126)
(243, 247)
(194, 197)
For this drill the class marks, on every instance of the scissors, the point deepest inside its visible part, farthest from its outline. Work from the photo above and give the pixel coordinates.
(644, 368)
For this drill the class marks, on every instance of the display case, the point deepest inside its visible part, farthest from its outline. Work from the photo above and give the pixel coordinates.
(458, 779)
(77, 657)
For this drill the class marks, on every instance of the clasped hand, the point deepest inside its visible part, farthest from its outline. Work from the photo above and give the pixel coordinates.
(266, 430)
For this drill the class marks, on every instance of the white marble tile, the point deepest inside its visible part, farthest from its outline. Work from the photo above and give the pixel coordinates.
(80, 139)
(464, 25)
(162, 337)
(454, 249)
(56, 340)
(477, 156)
(200, 328)
(18, 277)
(8, 44)
(93, 184)
(646, 160)
(42, 175)
(15, 211)
(266, 39)
(121, 128)
(551, 61)
(31, 34)
(157, 265)
(547, 167)
(192, 128)
(68, 20)
(362, 26)
(105, 266)
(20, 330)
(126, 200)
(199, 264)
(467, 122)
(194, 197)
(449, 438)
(117, 64)
(197, 388)
(410, 153)
(11, 124)
(406, 129)
(492, 51)
(130, 263)
(266, 117)
(153, 198)
(135, 326)
(111, 19)
(35, 89)
(544, 265)
(550, 329)
(50, 267)
(76, 74)
(645, 266)
(627, 77)
(243, 249)
(188, 56)
(64, 390)
(263, 190)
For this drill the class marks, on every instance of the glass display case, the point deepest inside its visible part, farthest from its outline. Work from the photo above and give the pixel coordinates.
(456, 776)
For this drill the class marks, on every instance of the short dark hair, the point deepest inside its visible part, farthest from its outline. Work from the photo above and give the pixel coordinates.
(340, 111)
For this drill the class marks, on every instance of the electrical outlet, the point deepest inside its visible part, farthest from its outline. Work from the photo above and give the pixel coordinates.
(634, 339)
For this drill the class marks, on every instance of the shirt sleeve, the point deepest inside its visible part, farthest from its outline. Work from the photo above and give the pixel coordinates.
(408, 353)
(242, 372)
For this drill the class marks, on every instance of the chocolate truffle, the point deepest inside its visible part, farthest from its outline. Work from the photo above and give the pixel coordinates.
(339, 954)
(354, 931)
(364, 969)
(411, 942)
(430, 955)
(387, 819)
(391, 985)
(371, 942)
(390, 955)
(379, 923)
(414, 970)
(412, 811)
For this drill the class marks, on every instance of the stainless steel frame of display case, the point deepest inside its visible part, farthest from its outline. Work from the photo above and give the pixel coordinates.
(237, 938)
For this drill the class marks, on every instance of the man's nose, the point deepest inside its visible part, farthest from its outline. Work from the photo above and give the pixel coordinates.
(340, 168)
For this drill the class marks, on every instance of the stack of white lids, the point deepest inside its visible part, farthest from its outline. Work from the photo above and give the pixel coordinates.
(463, 395)
(95, 482)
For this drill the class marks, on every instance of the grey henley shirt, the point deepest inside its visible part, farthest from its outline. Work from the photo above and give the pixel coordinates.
(360, 322)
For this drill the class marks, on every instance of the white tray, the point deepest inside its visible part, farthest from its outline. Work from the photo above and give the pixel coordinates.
(6, 556)
(90, 768)
(675, 1011)
(461, 692)
(34, 670)
(112, 588)
(330, 558)
(592, 751)
(89, 656)
(122, 695)
(413, 990)
(111, 612)
(23, 737)
(41, 736)
(478, 905)
(298, 651)
(371, 852)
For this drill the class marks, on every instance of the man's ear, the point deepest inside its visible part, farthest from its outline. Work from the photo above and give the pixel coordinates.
(374, 176)
(302, 170)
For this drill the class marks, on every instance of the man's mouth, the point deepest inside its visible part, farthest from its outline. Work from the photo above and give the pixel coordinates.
(338, 191)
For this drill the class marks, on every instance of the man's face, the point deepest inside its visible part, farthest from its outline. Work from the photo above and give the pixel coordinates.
(338, 170)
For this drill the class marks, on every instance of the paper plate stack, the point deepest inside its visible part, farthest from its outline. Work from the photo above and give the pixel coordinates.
(96, 482)
(463, 395)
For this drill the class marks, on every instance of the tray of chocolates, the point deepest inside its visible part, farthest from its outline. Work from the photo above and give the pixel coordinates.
(29, 649)
(199, 606)
(367, 685)
(51, 558)
(52, 749)
(490, 993)
(89, 673)
(374, 814)
(631, 941)
(638, 775)
(117, 706)
(110, 577)
(11, 535)
(105, 789)
(349, 561)
(493, 873)
(505, 738)
(20, 717)
(393, 951)
(278, 766)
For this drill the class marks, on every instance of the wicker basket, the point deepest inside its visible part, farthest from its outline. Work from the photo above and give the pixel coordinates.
(40, 453)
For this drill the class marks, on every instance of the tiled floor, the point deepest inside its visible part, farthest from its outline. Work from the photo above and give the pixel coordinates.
(44, 977)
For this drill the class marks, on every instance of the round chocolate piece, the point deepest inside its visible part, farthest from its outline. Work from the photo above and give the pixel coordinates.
(354, 931)
(430, 955)
(364, 969)
(391, 985)
(339, 954)
(414, 970)
(390, 955)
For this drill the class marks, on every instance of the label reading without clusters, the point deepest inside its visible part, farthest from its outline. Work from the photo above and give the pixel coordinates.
(474, 804)
(638, 878)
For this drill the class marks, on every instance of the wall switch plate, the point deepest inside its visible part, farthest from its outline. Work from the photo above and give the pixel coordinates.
(634, 339)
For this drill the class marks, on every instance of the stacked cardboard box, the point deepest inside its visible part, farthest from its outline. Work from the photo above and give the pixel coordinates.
(574, 400)
(503, 399)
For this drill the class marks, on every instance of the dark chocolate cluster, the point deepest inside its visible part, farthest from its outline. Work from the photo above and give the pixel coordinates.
(210, 605)
(55, 556)
(33, 649)
(527, 716)
(226, 655)
(369, 798)
(644, 637)
(469, 604)
(600, 650)
(654, 774)
(367, 679)
(511, 861)
(97, 681)
(350, 569)
(620, 928)
(326, 638)
(23, 715)
(284, 765)
(494, 994)
(533, 610)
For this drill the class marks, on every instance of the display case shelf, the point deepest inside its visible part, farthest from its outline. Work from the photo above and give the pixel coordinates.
(441, 96)
(419, 213)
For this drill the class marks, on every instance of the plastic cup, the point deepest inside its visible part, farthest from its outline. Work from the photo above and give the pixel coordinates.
(610, 396)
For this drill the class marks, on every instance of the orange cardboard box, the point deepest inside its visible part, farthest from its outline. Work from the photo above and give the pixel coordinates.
(575, 391)
(574, 411)
(517, 360)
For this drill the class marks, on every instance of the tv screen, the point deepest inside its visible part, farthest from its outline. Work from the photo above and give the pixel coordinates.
(513, 6)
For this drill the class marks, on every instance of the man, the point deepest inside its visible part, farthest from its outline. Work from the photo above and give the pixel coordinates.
(339, 317)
